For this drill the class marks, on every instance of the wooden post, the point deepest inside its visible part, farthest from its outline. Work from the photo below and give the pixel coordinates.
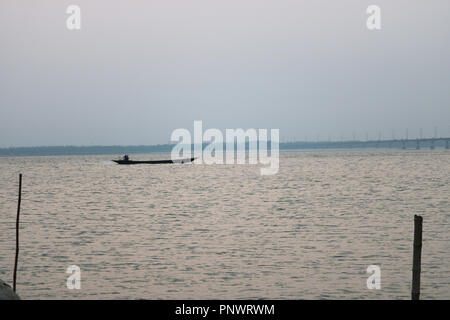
(417, 256)
(17, 232)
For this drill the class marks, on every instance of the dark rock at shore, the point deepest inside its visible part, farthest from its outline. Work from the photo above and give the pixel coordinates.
(6, 292)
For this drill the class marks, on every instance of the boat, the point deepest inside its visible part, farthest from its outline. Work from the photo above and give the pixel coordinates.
(126, 160)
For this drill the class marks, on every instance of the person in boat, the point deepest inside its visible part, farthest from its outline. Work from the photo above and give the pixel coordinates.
(126, 158)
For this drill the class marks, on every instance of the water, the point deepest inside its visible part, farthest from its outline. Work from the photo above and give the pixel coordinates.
(225, 232)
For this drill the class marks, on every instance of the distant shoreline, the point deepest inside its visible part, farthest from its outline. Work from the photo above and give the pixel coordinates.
(429, 143)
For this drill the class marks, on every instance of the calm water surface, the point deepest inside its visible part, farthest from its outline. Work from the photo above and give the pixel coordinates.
(225, 232)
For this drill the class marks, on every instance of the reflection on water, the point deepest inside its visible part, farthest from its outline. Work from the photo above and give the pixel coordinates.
(225, 231)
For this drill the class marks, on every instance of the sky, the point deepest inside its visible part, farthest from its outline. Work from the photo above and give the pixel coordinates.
(137, 70)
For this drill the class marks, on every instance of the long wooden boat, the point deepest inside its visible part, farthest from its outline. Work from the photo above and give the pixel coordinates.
(122, 161)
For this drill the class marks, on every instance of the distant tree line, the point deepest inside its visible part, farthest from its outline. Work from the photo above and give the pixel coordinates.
(163, 148)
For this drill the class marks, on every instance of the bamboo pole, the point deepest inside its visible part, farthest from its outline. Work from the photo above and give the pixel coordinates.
(17, 232)
(417, 256)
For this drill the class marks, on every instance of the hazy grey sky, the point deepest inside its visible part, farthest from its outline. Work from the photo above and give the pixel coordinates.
(139, 69)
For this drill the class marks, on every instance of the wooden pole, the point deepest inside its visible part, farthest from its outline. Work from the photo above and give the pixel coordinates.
(417, 256)
(17, 232)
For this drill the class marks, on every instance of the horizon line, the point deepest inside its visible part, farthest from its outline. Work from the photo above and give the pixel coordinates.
(224, 142)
